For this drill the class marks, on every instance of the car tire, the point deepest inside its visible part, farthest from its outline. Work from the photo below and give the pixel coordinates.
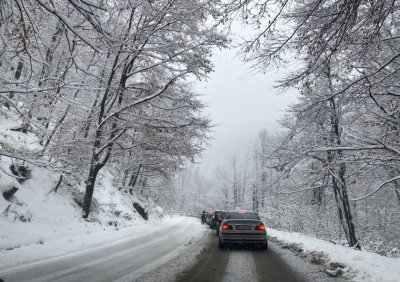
(265, 246)
(221, 245)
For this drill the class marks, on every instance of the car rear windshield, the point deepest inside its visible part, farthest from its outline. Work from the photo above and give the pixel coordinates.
(242, 215)
(220, 213)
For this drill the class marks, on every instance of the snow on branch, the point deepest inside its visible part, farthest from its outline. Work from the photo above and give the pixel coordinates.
(377, 189)
(325, 149)
(28, 160)
(69, 25)
(144, 99)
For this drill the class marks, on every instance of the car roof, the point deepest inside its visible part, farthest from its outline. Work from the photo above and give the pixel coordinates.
(236, 210)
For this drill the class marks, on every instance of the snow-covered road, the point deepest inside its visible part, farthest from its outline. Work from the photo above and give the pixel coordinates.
(122, 260)
(178, 247)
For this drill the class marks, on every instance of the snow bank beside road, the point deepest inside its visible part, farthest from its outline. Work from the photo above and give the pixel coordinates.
(364, 266)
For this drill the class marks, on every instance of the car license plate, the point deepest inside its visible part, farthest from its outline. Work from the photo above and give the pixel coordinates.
(243, 227)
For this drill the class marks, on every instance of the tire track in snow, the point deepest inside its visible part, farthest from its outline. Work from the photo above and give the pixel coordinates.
(241, 267)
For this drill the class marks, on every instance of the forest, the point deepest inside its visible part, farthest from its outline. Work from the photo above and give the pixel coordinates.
(108, 84)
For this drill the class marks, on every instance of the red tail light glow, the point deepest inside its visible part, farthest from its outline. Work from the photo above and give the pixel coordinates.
(260, 227)
(226, 227)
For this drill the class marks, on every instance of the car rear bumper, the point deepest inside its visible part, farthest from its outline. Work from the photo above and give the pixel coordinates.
(243, 238)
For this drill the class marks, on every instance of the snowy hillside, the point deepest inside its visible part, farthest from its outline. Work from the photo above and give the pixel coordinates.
(38, 215)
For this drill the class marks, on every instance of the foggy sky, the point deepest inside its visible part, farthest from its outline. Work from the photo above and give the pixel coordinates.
(240, 102)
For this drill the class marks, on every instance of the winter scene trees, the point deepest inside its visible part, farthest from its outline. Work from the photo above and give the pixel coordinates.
(340, 147)
(100, 81)
(100, 116)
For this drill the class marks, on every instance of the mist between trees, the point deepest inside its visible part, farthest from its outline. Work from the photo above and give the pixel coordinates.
(334, 171)
(102, 83)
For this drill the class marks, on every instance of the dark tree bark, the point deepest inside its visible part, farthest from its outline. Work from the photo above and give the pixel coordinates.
(49, 53)
(255, 198)
(58, 183)
(87, 201)
(339, 179)
(134, 179)
(19, 70)
(141, 211)
(95, 166)
(10, 193)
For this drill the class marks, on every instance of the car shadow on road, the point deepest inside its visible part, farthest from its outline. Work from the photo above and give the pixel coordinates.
(244, 248)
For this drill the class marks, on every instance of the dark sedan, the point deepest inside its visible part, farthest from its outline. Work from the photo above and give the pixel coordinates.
(216, 218)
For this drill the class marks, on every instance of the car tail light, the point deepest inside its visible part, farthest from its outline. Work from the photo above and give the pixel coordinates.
(260, 227)
(227, 227)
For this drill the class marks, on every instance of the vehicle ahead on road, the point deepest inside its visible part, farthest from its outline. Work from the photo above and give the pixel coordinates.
(218, 221)
(242, 227)
(216, 218)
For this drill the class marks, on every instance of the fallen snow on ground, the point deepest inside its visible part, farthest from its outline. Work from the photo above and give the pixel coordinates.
(162, 268)
(15, 139)
(364, 266)
(77, 240)
(182, 259)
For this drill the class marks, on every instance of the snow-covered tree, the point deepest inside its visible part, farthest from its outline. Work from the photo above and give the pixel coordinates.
(101, 80)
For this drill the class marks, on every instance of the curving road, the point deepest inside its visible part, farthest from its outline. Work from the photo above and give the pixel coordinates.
(133, 258)
(105, 263)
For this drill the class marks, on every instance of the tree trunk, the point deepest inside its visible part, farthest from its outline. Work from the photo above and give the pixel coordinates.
(263, 197)
(134, 177)
(339, 179)
(90, 182)
(49, 53)
(96, 164)
(343, 204)
(255, 199)
(19, 70)
(58, 183)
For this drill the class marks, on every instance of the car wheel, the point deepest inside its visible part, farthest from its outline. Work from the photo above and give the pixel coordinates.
(221, 245)
(265, 246)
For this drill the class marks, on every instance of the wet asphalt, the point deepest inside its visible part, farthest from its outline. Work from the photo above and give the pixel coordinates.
(219, 265)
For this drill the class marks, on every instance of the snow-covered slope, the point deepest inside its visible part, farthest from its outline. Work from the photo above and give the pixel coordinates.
(36, 215)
